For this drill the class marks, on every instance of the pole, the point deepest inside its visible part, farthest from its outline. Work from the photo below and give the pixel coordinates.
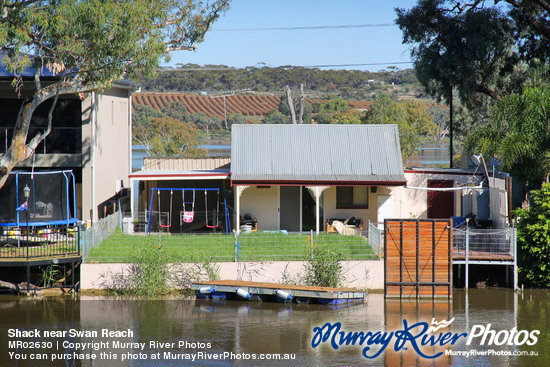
(27, 193)
(317, 194)
(311, 243)
(514, 243)
(467, 257)
(236, 246)
(27, 217)
(451, 129)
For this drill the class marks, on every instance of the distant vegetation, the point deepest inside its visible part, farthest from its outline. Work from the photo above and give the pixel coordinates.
(395, 98)
(348, 84)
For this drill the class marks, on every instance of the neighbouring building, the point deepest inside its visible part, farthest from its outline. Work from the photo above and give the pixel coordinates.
(91, 135)
(299, 177)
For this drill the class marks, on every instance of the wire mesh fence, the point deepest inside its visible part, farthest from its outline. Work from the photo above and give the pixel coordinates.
(94, 235)
(264, 246)
(491, 241)
(375, 239)
(211, 221)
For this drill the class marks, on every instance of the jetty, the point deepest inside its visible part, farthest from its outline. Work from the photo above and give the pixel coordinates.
(274, 292)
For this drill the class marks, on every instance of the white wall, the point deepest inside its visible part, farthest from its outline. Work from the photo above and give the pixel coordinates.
(359, 274)
(105, 155)
(498, 202)
(365, 214)
(262, 204)
(411, 203)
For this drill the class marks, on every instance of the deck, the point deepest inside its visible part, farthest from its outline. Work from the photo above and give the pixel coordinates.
(274, 292)
(29, 249)
(39, 247)
(483, 257)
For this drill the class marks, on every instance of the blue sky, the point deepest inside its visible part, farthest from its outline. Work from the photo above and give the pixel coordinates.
(309, 47)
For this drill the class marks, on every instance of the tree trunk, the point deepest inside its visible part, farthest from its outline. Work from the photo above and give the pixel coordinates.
(301, 116)
(19, 149)
(290, 105)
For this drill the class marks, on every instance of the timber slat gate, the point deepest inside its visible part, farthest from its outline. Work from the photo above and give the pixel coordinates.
(418, 258)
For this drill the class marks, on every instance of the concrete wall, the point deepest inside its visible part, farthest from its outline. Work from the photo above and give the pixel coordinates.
(359, 274)
(105, 147)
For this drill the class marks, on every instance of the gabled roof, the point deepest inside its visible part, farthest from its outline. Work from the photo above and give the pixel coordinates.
(316, 155)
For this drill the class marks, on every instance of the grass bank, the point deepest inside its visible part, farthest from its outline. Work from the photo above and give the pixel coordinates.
(121, 248)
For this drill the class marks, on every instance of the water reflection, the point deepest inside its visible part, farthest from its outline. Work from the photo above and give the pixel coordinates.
(255, 328)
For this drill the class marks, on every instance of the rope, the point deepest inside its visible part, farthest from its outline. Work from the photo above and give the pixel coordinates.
(169, 213)
(479, 187)
(206, 210)
(188, 216)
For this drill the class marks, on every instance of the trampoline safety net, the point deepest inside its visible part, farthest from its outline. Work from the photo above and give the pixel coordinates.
(48, 202)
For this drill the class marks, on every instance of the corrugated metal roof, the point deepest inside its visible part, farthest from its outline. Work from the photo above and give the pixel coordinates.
(186, 163)
(148, 174)
(316, 154)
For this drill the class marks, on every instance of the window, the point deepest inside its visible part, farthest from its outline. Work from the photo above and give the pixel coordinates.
(66, 134)
(348, 197)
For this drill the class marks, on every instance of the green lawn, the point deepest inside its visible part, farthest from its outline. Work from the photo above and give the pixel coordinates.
(218, 247)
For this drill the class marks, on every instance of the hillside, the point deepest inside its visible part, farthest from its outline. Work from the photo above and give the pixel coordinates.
(248, 105)
(211, 98)
(318, 84)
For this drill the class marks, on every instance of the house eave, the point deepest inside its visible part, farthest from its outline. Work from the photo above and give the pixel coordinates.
(315, 183)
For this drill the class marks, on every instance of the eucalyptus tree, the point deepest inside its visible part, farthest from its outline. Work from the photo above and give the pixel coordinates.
(518, 135)
(412, 118)
(88, 45)
(473, 50)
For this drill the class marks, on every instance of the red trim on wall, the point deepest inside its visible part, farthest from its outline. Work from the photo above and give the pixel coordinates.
(318, 183)
(175, 175)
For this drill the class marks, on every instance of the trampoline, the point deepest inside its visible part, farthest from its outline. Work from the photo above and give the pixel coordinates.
(51, 198)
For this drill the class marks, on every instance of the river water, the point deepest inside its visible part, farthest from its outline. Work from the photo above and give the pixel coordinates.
(176, 328)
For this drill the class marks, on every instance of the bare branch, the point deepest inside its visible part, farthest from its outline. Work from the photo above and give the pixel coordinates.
(290, 105)
(301, 114)
(40, 137)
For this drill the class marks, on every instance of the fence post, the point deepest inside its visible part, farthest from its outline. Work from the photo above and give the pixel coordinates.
(236, 245)
(466, 271)
(515, 244)
(380, 244)
(311, 244)
(369, 234)
(78, 244)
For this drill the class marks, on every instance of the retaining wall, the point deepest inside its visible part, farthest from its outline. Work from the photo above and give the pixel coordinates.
(359, 274)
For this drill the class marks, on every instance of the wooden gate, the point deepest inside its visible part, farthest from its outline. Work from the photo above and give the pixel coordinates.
(418, 258)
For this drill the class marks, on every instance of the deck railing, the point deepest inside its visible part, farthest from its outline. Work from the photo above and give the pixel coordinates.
(489, 241)
(33, 242)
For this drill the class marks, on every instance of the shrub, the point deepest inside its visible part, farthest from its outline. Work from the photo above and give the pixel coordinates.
(533, 237)
(149, 276)
(324, 268)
